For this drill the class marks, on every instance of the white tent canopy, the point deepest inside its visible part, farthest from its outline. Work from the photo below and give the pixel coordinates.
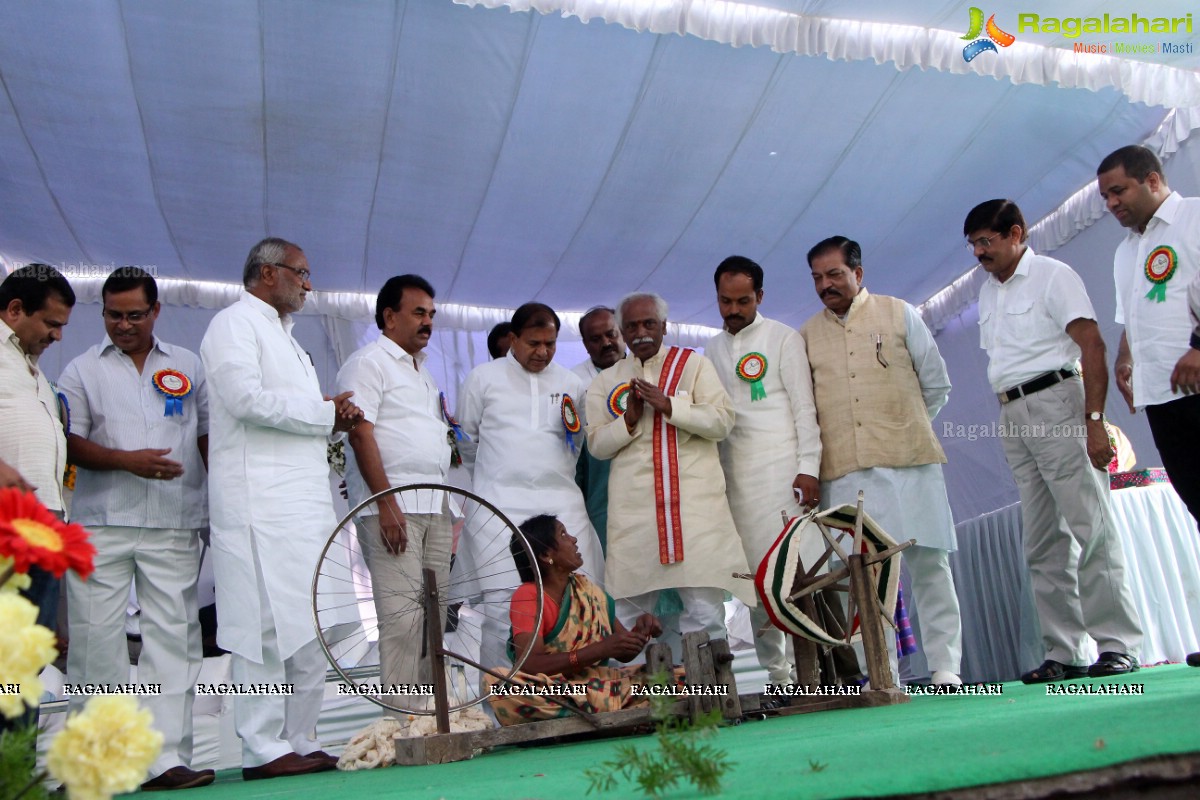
(515, 156)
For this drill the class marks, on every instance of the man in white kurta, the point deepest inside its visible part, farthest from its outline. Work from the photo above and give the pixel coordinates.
(401, 440)
(524, 464)
(658, 415)
(772, 457)
(270, 506)
(878, 381)
(139, 435)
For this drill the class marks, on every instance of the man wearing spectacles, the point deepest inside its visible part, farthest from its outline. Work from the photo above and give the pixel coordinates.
(271, 506)
(139, 435)
(878, 382)
(1037, 324)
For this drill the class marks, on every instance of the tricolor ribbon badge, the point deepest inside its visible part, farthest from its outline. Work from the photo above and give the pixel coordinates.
(1160, 268)
(752, 368)
(618, 399)
(994, 37)
(455, 434)
(174, 386)
(570, 420)
(459, 433)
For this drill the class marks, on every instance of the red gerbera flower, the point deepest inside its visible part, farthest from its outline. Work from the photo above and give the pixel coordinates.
(32, 536)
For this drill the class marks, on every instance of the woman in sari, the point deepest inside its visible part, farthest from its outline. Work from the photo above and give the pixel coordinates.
(579, 633)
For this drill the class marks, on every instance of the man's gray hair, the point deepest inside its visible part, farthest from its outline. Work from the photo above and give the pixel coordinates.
(271, 250)
(660, 306)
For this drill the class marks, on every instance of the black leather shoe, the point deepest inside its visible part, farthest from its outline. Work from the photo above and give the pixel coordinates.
(1193, 660)
(287, 764)
(321, 755)
(1112, 664)
(1051, 671)
(180, 778)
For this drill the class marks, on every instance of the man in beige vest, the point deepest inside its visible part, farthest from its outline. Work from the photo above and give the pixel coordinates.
(878, 381)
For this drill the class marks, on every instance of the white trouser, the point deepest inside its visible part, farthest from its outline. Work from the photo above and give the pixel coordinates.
(398, 588)
(273, 725)
(771, 647)
(162, 563)
(936, 605)
(703, 610)
(1065, 507)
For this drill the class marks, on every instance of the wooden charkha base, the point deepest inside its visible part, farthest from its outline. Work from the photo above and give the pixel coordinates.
(706, 664)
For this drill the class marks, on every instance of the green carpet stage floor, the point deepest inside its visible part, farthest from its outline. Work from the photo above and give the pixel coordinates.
(932, 744)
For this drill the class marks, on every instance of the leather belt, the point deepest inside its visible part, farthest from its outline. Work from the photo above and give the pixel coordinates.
(1037, 384)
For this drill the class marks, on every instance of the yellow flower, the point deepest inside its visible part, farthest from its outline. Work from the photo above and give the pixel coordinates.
(105, 750)
(16, 581)
(25, 648)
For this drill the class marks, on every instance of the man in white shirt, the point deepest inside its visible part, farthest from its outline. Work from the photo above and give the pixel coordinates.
(1153, 267)
(772, 457)
(605, 347)
(270, 506)
(401, 440)
(658, 415)
(35, 305)
(878, 381)
(139, 435)
(524, 413)
(1037, 325)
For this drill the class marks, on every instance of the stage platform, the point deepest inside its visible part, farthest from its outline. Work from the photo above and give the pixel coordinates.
(1022, 743)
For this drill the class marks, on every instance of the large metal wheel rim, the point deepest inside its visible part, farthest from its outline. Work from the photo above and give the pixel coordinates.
(350, 676)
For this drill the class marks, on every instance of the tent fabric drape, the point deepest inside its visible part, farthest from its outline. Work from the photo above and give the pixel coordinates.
(907, 46)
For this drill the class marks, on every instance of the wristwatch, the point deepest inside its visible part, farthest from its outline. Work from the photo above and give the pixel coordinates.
(1096, 416)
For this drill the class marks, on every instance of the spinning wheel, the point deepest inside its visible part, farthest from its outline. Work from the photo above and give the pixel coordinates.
(443, 620)
(870, 575)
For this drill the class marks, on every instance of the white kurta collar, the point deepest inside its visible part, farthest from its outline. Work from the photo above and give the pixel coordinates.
(267, 310)
(400, 354)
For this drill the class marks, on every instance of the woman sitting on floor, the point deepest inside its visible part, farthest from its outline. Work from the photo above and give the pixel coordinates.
(579, 633)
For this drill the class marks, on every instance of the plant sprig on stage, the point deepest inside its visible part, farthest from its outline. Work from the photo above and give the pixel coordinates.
(682, 753)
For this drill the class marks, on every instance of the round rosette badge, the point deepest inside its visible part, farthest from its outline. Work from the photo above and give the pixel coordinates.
(752, 368)
(618, 399)
(1160, 268)
(174, 386)
(570, 420)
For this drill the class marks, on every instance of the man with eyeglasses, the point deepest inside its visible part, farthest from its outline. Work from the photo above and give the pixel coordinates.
(878, 382)
(1038, 325)
(270, 506)
(139, 435)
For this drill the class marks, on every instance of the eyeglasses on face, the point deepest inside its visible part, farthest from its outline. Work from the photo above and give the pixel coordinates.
(985, 242)
(132, 317)
(303, 274)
